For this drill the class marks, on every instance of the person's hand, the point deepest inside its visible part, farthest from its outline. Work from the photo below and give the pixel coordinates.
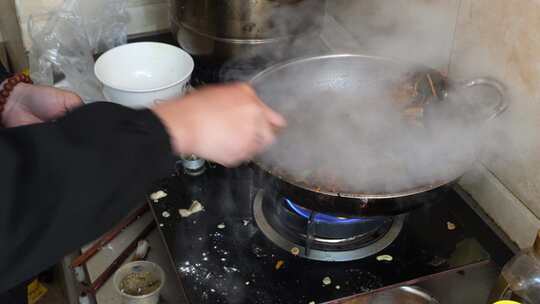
(226, 124)
(30, 104)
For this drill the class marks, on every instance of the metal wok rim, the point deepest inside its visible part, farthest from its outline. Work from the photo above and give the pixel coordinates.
(364, 195)
(412, 191)
(299, 60)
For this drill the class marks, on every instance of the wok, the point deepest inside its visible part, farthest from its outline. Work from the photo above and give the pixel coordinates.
(370, 136)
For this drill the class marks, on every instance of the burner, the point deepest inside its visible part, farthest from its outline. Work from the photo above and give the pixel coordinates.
(320, 236)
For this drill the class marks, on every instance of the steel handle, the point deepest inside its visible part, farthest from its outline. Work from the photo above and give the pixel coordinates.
(498, 86)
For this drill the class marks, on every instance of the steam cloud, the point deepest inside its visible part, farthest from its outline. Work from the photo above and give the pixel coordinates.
(353, 135)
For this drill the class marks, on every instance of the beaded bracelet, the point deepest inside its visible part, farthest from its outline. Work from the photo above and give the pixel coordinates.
(9, 85)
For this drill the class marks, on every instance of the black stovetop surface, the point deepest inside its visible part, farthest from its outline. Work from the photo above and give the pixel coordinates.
(237, 264)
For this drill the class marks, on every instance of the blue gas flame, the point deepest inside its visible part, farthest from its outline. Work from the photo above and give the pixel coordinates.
(321, 217)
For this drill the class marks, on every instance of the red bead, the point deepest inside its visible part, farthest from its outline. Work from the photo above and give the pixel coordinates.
(12, 81)
(2, 100)
(8, 87)
(4, 94)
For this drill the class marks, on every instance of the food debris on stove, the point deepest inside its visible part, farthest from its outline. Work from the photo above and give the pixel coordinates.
(451, 226)
(326, 281)
(385, 258)
(221, 226)
(295, 251)
(311, 302)
(156, 196)
(165, 214)
(230, 269)
(195, 207)
(245, 222)
(279, 264)
(338, 287)
(161, 225)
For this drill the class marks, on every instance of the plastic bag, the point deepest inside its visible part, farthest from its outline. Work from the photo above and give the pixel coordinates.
(65, 41)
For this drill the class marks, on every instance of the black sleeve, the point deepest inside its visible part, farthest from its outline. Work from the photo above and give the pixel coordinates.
(64, 183)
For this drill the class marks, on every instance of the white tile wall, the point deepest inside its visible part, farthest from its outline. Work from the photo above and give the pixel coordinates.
(500, 38)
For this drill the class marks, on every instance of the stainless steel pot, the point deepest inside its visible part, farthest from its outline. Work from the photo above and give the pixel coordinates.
(217, 31)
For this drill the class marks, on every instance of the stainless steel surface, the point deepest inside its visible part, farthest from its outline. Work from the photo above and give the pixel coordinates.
(345, 76)
(471, 286)
(319, 255)
(221, 30)
(487, 219)
(402, 295)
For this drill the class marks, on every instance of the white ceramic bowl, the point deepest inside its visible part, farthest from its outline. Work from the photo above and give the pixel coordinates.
(139, 74)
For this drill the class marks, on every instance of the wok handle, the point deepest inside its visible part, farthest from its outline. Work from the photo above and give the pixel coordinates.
(498, 86)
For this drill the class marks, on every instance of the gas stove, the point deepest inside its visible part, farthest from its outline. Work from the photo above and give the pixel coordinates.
(320, 236)
(252, 245)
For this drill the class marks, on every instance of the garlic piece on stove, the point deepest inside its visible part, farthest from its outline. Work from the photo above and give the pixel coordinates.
(165, 214)
(195, 207)
(451, 226)
(156, 196)
(326, 281)
(385, 258)
(295, 251)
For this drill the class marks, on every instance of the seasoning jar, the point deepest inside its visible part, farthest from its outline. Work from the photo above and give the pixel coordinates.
(522, 274)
